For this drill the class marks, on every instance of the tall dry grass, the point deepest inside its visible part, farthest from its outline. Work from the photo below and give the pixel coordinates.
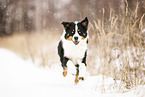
(116, 48)
(39, 47)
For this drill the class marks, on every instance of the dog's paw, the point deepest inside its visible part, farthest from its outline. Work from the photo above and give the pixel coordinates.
(81, 78)
(64, 73)
(77, 79)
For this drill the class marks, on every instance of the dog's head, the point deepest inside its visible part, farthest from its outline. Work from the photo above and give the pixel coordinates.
(76, 31)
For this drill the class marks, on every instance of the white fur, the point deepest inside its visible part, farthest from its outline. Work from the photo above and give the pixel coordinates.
(76, 33)
(71, 67)
(82, 70)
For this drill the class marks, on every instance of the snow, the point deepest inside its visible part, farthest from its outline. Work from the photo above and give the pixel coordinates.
(21, 78)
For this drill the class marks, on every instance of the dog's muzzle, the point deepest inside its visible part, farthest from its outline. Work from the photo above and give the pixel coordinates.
(76, 40)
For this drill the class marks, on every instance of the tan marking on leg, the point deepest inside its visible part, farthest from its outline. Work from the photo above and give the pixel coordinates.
(77, 79)
(64, 73)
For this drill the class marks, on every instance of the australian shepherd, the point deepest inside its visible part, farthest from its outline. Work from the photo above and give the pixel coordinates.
(73, 47)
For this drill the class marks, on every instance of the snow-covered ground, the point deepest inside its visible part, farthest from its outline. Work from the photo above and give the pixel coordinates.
(21, 78)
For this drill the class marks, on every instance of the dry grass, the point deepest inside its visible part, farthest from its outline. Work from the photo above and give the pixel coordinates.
(41, 48)
(116, 48)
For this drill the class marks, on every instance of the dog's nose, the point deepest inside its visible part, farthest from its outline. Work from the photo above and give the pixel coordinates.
(76, 38)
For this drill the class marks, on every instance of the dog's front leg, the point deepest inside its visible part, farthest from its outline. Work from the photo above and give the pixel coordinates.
(82, 71)
(64, 71)
(65, 60)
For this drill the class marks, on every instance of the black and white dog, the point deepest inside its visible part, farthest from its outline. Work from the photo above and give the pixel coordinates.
(73, 48)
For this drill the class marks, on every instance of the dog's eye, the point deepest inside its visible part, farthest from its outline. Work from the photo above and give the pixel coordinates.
(72, 32)
(79, 32)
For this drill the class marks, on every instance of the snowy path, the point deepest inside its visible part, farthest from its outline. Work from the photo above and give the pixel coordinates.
(19, 78)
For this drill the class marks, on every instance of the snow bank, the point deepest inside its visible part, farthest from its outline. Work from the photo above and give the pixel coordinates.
(20, 78)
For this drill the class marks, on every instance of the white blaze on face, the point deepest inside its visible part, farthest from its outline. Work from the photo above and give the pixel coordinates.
(76, 32)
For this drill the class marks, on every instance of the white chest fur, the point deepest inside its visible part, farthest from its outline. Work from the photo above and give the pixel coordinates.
(75, 52)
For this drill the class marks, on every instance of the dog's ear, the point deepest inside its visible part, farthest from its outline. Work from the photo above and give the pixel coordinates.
(66, 24)
(85, 22)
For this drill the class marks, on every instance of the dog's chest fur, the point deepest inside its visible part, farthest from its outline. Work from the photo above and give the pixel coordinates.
(74, 52)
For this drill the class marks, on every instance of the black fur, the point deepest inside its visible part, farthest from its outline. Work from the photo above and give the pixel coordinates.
(60, 51)
(84, 59)
(69, 28)
(61, 55)
(82, 26)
